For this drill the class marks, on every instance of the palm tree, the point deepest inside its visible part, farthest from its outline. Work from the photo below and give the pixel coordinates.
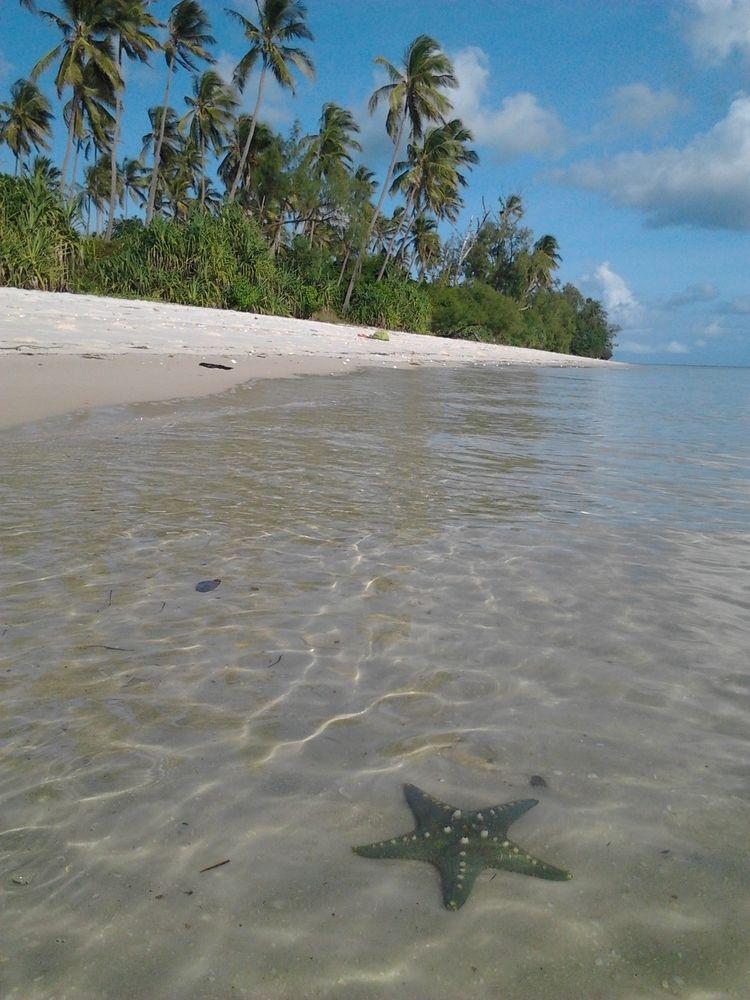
(27, 120)
(134, 183)
(208, 120)
(187, 42)
(131, 21)
(331, 149)
(430, 176)
(182, 178)
(43, 169)
(96, 188)
(424, 243)
(363, 188)
(414, 96)
(279, 22)
(88, 117)
(262, 140)
(329, 153)
(86, 58)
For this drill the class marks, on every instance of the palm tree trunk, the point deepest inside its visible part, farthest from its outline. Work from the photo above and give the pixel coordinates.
(405, 219)
(347, 255)
(159, 143)
(68, 146)
(203, 173)
(113, 154)
(376, 214)
(75, 166)
(246, 151)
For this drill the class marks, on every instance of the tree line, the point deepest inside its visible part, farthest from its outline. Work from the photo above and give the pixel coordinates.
(319, 211)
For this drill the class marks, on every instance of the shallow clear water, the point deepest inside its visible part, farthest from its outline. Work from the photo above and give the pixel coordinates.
(458, 579)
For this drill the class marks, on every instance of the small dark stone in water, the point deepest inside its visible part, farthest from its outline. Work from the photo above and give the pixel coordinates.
(537, 781)
(205, 585)
(208, 364)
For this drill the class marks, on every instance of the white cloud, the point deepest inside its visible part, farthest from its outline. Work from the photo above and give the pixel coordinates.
(693, 294)
(740, 306)
(700, 343)
(519, 126)
(636, 347)
(639, 347)
(719, 27)
(619, 301)
(703, 184)
(638, 106)
(713, 329)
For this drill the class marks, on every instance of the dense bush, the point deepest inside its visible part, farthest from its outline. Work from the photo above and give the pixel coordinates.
(549, 323)
(476, 312)
(396, 303)
(39, 248)
(222, 260)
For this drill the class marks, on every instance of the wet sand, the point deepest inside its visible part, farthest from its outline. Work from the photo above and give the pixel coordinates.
(60, 353)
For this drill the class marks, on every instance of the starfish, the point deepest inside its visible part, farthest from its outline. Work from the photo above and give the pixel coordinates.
(461, 845)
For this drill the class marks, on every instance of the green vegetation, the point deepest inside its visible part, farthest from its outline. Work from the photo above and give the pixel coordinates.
(238, 216)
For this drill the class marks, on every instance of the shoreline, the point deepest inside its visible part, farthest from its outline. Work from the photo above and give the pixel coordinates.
(61, 353)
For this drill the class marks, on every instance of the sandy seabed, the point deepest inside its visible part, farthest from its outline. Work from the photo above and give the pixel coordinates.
(60, 353)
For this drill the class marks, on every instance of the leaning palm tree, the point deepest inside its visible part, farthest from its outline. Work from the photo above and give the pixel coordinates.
(415, 95)
(208, 120)
(279, 22)
(131, 21)
(86, 57)
(26, 120)
(187, 43)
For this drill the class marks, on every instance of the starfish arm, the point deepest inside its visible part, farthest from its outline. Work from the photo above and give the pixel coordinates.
(406, 847)
(427, 811)
(497, 819)
(515, 859)
(458, 876)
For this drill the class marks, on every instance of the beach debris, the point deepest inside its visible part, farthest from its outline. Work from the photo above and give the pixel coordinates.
(20, 880)
(207, 585)
(219, 864)
(209, 364)
(537, 781)
(378, 335)
(462, 845)
(277, 660)
(113, 649)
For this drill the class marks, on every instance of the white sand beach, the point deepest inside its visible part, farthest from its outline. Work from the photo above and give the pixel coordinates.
(60, 353)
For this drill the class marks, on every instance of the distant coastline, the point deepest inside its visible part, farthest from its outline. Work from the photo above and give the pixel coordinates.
(61, 352)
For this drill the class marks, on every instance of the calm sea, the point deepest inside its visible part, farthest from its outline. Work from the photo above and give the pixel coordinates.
(459, 579)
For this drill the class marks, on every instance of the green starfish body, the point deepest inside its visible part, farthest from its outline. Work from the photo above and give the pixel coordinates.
(460, 845)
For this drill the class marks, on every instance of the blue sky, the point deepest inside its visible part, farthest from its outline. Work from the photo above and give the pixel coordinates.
(624, 125)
